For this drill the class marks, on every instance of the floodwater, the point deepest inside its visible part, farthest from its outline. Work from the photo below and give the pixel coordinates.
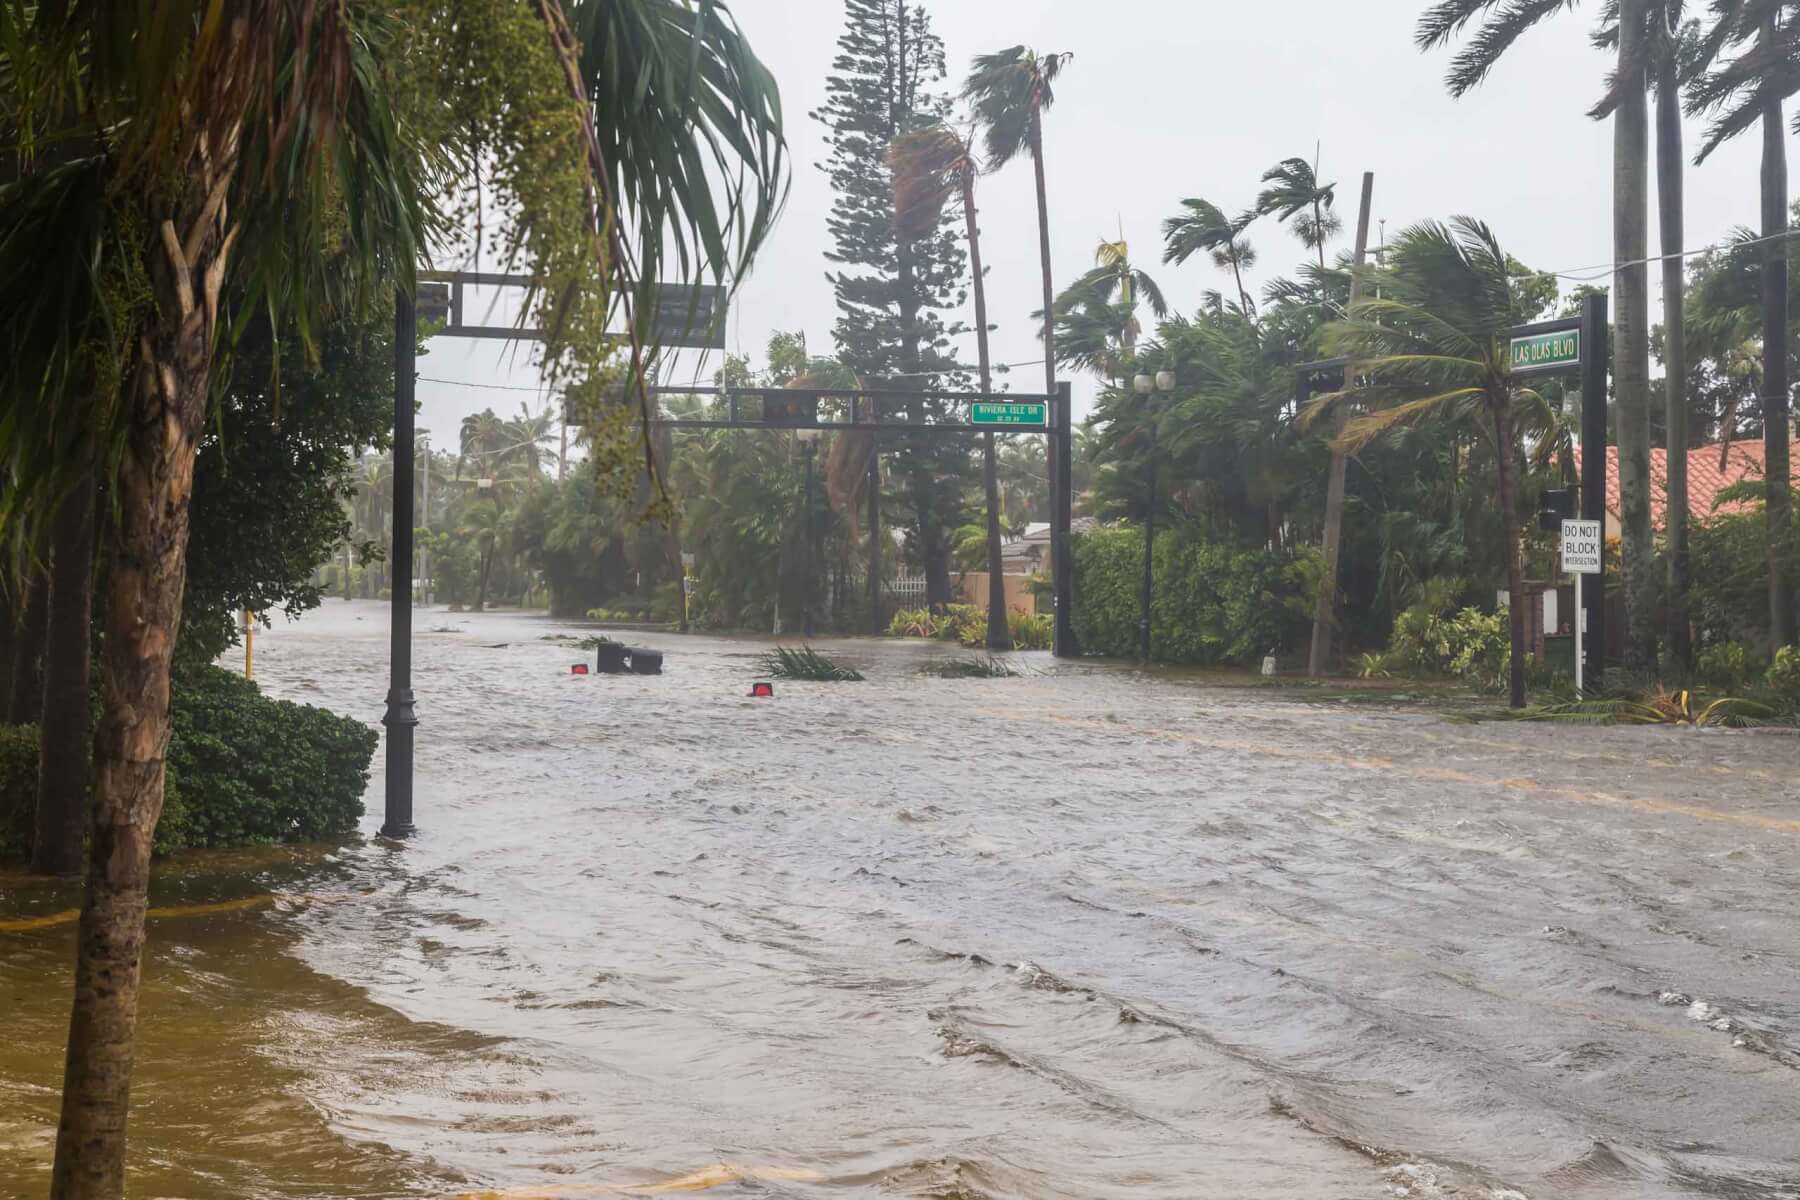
(1081, 934)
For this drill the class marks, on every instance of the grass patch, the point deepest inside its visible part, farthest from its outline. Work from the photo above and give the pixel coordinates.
(969, 668)
(806, 664)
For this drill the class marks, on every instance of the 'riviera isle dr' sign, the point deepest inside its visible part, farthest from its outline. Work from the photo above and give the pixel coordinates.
(1547, 351)
(992, 413)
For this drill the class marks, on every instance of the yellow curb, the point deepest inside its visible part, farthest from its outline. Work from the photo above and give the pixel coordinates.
(70, 916)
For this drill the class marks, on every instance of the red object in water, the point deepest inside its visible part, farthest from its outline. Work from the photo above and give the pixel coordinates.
(766, 690)
(578, 669)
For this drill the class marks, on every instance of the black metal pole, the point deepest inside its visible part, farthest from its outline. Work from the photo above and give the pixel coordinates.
(1149, 545)
(807, 451)
(401, 717)
(1062, 505)
(1594, 343)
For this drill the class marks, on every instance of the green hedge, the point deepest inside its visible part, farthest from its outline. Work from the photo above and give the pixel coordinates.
(1211, 602)
(243, 769)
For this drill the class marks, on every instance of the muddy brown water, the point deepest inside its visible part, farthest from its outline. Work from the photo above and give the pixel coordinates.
(1085, 933)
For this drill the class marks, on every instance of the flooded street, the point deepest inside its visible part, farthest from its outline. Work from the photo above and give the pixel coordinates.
(1084, 933)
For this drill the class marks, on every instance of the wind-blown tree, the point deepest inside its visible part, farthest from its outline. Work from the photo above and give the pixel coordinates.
(894, 285)
(1297, 199)
(1435, 346)
(1203, 227)
(929, 165)
(1115, 281)
(233, 144)
(1632, 24)
(1009, 92)
(1748, 90)
(1096, 316)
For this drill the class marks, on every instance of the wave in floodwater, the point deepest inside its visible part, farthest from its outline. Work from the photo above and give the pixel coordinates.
(1083, 933)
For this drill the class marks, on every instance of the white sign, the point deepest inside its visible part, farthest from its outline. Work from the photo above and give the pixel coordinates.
(1582, 547)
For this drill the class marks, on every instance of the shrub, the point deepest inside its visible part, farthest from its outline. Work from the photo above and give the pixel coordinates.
(18, 798)
(1213, 602)
(807, 664)
(1784, 672)
(1727, 664)
(255, 770)
(963, 621)
(915, 622)
(1471, 645)
(1030, 631)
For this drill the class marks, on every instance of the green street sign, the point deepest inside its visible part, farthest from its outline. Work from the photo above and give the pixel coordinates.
(985, 413)
(1547, 351)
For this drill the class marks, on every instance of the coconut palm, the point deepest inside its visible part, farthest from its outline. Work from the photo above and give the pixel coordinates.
(1202, 226)
(1435, 346)
(1745, 91)
(929, 165)
(526, 437)
(1114, 280)
(267, 149)
(1009, 92)
(1096, 316)
(1297, 199)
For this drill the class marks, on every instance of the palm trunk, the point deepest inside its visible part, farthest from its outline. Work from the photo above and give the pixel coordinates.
(1052, 474)
(999, 634)
(1237, 274)
(1515, 571)
(346, 570)
(487, 563)
(163, 415)
(1318, 659)
(1779, 507)
(64, 746)
(1631, 333)
(1669, 185)
(27, 698)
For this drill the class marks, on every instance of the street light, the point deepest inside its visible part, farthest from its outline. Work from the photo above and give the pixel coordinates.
(1147, 385)
(809, 449)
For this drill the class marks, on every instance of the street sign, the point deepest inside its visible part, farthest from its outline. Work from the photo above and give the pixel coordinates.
(1559, 351)
(1582, 547)
(987, 413)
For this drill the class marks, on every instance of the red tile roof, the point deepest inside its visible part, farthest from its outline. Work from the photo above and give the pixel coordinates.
(1743, 460)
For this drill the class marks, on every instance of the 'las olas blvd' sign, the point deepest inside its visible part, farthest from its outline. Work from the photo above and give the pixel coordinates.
(1534, 352)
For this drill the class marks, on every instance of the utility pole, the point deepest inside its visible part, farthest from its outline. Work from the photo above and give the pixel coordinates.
(1318, 660)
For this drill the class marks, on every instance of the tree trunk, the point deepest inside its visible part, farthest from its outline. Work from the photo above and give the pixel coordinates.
(487, 563)
(27, 698)
(999, 632)
(1779, 508)
(163, 414)
(1237, 274)
(1631, 334)
(9, 634)
(346, 570)
(1669, 184)
(1515, 571)
(1052, 474)
(1318, 659)
(64, 743)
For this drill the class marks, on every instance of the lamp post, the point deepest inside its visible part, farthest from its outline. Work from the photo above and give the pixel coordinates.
(1149, 387)
(809, 449)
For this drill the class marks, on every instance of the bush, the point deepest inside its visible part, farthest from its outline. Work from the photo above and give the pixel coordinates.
(1428, 640)
(18, 798)
(1212, 602)
(1727, 664)
(1784, 673)
(256, 771)
(1030, 631)
(915, 622)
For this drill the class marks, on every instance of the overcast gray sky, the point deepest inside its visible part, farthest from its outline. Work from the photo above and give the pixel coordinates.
(1173, 98)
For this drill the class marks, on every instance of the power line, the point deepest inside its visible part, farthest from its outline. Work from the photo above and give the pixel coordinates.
(1602, 270)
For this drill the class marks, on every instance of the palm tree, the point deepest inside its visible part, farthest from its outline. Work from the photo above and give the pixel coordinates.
(1631, 29)
(928, 165)
(525, 439)
(489, 525)
(1297, 198)
(1096, 316)
(1435, 345)
(228, 143)
(1204, 227)
(1115, 280)
(1747, 90)
(1009, 92)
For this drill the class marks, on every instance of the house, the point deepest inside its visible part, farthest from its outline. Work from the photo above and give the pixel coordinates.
(1021, 557)
(1711, 469)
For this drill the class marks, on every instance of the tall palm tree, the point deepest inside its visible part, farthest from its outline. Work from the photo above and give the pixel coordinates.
(1297, 198)
(1630, 26)
(1748, 90)
(526, 437)
(928, 165)
(1009, 92)
(1096, 316)
(235, 143)
(1435, 345)
(1204, 227)
(1114, 280)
